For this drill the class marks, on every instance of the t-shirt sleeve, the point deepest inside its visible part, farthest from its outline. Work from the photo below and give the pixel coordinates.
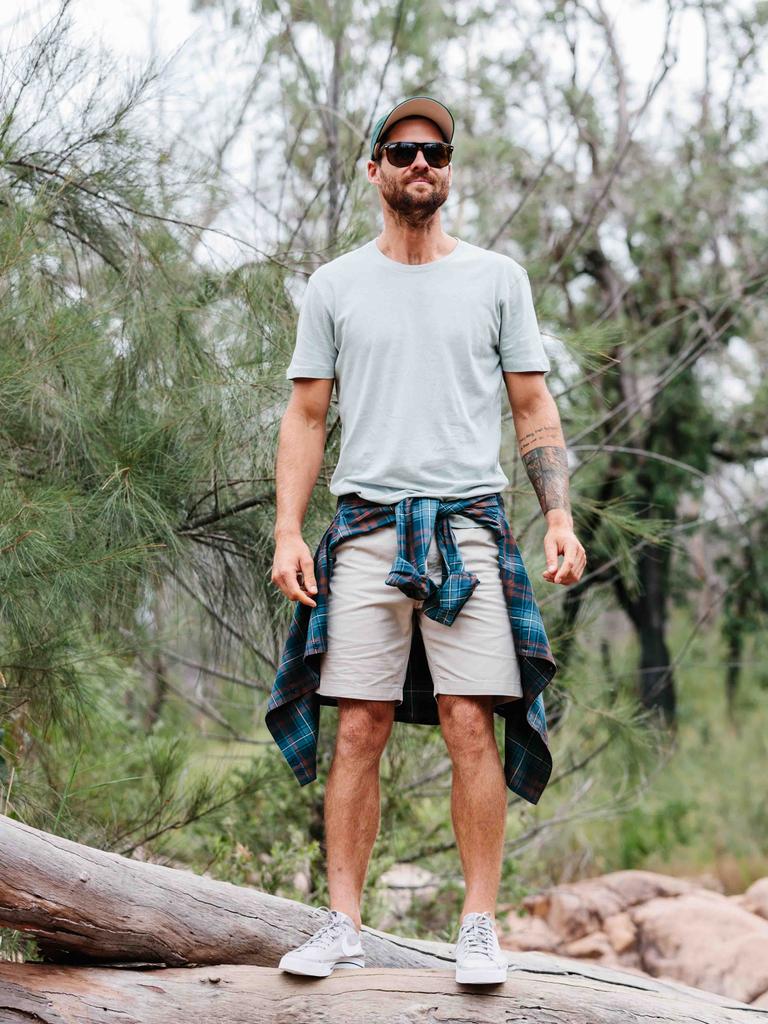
(314, 354)
(520, 344)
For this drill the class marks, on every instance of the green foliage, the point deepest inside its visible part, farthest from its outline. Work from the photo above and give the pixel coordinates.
(657, 832)
(141, 390)
(137, 404)
(265, 841)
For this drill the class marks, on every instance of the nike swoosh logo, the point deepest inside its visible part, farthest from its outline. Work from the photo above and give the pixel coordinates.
(348, 948)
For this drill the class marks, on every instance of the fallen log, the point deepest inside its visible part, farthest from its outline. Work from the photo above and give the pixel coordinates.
(238, 994)
(88, 906)
(149, 943)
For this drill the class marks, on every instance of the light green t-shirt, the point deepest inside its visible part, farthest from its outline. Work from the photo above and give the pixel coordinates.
(417, 353)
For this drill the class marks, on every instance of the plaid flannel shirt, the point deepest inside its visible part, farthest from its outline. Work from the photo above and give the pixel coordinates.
(293, 711)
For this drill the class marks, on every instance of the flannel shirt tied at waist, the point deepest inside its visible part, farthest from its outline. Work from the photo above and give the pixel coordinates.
(293, 711)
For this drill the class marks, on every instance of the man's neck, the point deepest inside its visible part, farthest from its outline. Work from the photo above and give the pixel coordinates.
(414, 247)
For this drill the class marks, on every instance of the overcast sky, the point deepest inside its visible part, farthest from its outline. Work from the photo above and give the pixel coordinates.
(133, 28)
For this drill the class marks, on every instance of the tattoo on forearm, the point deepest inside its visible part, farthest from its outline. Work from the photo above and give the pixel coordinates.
(537, 436)
(547, 467)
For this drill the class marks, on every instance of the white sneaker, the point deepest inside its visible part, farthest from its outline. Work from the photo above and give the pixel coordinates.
(479, 958)
(336, 943)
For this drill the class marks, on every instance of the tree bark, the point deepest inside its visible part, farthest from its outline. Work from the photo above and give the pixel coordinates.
(237, 994)
(648, 611)
(86, 906)
(135, 936)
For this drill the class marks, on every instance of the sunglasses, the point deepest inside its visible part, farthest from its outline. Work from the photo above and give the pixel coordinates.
(401, 154)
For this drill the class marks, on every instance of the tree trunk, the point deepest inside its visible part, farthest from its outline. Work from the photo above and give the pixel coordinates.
(657, 687)
(648, 612)
(135, 935)
(227, 994)
(734, 628)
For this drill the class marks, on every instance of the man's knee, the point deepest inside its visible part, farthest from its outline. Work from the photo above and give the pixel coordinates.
(466, 723)
(364, 727)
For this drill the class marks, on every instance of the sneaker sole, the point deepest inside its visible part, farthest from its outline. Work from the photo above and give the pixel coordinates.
(315, 969)
(480, 975)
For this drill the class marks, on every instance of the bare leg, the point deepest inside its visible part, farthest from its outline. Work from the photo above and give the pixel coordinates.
(352, 802)
(478, 796)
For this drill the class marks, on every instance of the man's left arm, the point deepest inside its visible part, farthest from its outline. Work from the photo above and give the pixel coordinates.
(542, 449)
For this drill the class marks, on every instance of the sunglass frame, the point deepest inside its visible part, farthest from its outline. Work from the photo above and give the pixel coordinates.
(440, 147)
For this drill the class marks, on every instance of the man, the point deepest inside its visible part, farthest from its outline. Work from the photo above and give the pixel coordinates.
(417, 622)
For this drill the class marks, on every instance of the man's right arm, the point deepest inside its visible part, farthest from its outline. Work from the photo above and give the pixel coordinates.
(300, 450)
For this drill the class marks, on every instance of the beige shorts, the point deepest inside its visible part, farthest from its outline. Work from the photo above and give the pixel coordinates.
(370, 624)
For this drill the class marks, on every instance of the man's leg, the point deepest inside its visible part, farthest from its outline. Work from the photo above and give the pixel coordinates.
(352, 804)
(478, 795)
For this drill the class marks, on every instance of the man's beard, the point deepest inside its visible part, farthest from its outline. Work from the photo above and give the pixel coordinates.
(414, 206)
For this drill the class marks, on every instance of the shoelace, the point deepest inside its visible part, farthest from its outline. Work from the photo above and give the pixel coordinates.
(478, 934)
(327, 932)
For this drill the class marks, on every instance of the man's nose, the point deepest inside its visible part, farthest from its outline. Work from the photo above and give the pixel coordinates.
(419, 163)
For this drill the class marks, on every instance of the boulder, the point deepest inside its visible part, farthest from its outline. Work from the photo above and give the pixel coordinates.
(703, 939)
(673, 929)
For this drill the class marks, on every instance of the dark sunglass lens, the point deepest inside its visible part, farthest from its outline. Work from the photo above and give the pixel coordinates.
(437, 154)
(403, 153)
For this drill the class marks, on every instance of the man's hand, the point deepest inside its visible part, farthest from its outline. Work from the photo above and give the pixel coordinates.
(561, 540)
(293, 569)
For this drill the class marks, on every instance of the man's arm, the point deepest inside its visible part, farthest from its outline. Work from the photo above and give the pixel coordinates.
(542, 449)
(299, 458)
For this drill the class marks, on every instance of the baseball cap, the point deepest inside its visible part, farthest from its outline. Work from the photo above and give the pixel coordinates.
(422, 106)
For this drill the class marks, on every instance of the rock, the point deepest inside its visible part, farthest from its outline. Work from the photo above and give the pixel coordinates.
(404, 882)
(755, 899)
(704, 940)
(621, 932)
(705, 880)
(526, 933)
(596, 946)
(682, 930)
(578, 908)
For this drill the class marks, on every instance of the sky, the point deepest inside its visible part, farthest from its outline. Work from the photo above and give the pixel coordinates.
(129, 27)
(209, 64)
(136, 28)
